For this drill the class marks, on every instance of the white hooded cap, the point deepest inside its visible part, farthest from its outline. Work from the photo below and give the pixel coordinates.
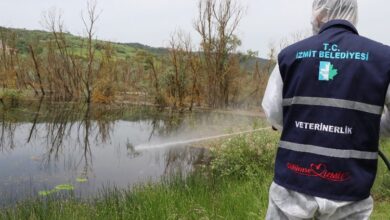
(327, 10)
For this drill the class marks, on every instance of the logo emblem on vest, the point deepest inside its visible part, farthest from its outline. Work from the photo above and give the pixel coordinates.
(319, 170)
(327, 71)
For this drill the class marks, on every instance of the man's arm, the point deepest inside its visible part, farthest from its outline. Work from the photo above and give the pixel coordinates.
(385, 120)
(272, 100)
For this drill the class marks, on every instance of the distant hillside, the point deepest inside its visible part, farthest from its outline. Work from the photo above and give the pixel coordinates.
(24, 37)
(120, 50)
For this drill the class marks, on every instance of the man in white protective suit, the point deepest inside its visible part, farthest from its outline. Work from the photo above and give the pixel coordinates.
(327, 96)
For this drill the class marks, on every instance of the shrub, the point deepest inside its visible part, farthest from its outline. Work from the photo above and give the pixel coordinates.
(103, 92)
(245, 157)
(10, 96)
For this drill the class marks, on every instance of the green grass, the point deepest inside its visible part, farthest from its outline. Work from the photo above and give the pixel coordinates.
(195, 198)
(381, 190)
(233, 186)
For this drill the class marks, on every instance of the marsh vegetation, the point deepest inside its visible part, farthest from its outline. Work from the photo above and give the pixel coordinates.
(59, 66)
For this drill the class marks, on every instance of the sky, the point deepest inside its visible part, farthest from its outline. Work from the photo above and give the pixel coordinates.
(152, 22)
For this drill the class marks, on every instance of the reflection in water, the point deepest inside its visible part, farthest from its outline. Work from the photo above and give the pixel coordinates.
(45, 145)
(183, 160)
(131, 152)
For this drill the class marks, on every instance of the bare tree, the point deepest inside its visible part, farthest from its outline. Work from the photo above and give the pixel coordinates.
(62, 67)
(155, 69)
(195, 69)
(71, 76)
(217, 24)
(180, 57)
(89, 25)
(9, 59)
(37, 69)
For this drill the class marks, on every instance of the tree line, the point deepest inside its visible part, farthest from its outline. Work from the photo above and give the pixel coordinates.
(210, 74)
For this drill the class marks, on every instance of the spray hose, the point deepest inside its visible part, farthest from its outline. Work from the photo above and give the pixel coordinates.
(385, 159)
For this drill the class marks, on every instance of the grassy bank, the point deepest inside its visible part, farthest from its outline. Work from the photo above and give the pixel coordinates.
(233, 186)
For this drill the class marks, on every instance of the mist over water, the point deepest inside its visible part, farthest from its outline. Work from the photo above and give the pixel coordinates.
(42, 146)
(196, 140)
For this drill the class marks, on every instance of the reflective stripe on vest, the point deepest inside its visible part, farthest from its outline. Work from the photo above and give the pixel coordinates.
(329, 152)
(338, 103)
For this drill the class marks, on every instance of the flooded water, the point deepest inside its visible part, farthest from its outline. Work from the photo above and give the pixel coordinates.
(90, 147)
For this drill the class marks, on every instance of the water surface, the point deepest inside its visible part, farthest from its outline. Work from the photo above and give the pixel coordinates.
(44, 145)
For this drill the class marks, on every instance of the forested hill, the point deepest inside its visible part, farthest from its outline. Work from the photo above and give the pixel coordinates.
(21, 38)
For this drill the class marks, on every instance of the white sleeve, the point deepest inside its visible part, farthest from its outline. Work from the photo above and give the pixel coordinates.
(385, 120)
(272, 100)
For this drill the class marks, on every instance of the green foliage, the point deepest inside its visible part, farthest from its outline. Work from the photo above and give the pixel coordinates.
(81, 180)
(64, 187)
(46, 192)
(381, 189)
(11, 97)
(58, 188)
(24, 37)
(10, 94)
(246, 156)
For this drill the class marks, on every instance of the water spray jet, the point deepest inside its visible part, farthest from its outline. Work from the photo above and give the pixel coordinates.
(185, 142)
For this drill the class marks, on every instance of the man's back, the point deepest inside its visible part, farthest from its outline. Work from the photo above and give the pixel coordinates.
(334, 89)
(327, 95)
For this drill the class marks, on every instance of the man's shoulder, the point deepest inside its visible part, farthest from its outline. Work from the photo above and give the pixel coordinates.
(380, 51)
(370, 42)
